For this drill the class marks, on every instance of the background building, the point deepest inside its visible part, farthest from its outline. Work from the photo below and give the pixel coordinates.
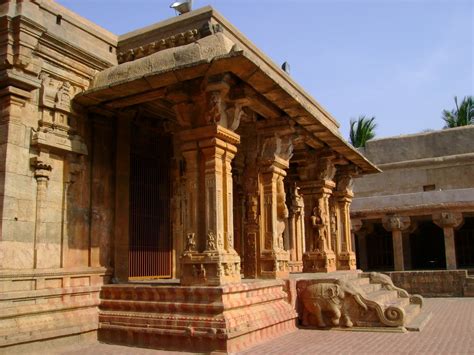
(417, 214)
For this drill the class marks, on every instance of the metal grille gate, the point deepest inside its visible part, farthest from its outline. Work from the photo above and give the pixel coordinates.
(150, 238)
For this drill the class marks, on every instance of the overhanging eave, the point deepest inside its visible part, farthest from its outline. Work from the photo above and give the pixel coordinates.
(116, 91)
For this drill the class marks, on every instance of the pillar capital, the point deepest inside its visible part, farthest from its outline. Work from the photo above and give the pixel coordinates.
(356, 224)
(276, 152)
(42, 166)
(213, 101)
(448, 219)
(396, 223)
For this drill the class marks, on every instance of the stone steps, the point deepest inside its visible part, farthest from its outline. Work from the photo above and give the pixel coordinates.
(388, 296)
(383, 296)
(204, 319)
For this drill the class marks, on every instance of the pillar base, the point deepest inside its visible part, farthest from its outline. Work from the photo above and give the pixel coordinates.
(223, 319)
(274, 264)
(319, 261)
(346, 261)
(210, 269)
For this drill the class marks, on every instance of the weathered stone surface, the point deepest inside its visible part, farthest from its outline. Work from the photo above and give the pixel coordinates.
(431, 283)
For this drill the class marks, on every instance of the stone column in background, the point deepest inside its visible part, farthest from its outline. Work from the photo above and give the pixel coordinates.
(357, 228)
(397, 224)
(449, 221)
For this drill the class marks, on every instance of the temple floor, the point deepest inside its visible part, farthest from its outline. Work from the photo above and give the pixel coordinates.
(449, 331)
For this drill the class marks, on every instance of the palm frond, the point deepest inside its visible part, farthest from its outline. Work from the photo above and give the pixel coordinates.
(361, 130)
(463, 115)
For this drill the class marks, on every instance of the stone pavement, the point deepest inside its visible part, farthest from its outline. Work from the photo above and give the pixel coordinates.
(450, 331)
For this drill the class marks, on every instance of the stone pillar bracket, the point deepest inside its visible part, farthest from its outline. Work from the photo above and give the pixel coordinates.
(448, 219)
(396, 223)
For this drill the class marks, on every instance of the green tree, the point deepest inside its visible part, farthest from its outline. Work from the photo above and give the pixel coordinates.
(463, 115)
(362, 130)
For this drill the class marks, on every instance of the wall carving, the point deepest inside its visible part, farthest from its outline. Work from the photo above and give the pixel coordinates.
(56, 126)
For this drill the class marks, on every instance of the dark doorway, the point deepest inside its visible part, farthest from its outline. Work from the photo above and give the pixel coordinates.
(465, 244)
(379, 249)
(427, 247)
(150, 233)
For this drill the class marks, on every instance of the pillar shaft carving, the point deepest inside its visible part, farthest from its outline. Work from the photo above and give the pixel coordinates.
(317, 187)
(345, 254)
(208, 147)
(42, 170)
(296, 229)
(449, 221)
(252, 208)
(209, 256)
(274, 160)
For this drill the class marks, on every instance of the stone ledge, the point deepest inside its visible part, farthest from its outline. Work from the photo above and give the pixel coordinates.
(431, 283)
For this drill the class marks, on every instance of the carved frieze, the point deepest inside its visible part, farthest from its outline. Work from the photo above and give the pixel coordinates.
(172, 41)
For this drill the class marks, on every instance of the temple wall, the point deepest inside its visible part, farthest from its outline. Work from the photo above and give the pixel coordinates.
(51, 268)
(443, 158)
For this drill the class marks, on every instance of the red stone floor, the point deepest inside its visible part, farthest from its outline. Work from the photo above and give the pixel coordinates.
(449, 331)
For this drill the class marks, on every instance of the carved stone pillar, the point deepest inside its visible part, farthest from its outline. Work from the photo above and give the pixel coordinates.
(209, 257)
(397, 224)
(449, 221)
(316, 186)
(252, 211)
(346, 259)
(276, 153)
(42, 171)
(210, 114)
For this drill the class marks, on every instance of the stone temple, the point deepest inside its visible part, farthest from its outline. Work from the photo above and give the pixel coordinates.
(158, 188)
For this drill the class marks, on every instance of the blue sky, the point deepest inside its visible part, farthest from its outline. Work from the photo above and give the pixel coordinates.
(399, 60)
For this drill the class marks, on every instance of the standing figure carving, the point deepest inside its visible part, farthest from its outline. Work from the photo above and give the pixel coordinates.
(318, 222)
(282, 213)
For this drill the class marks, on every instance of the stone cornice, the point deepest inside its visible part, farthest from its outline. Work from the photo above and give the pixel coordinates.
(437, 161)
(414, 203)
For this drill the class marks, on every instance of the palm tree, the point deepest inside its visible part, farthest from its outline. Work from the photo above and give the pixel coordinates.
(463, 115)
(362, 130)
